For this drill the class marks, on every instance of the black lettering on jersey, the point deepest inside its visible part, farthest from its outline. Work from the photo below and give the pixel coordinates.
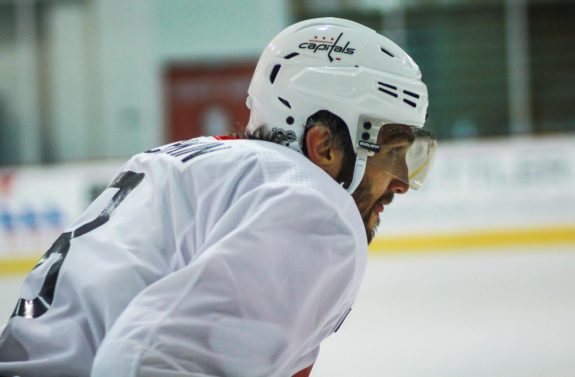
(187, 150)
(341, 321)
(34, 308)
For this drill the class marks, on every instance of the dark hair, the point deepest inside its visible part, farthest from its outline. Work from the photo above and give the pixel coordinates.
(261, 133)
(337, 127)
(340, 138)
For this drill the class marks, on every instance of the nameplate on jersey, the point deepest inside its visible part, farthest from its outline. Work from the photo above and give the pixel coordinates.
(189, 149)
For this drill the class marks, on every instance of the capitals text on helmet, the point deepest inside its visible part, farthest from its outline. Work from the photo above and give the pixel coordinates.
(324, 45)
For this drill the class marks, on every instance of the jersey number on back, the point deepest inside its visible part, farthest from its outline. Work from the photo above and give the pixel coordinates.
(37, 306)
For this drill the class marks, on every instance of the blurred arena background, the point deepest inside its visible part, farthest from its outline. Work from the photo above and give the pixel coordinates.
(472, 276)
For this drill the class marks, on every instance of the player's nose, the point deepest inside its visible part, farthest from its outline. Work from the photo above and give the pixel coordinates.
(397, 186)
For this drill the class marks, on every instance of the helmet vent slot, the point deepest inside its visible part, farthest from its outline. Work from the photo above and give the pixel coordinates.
(388, 92)
(410, 103)
(289, 56)
(391, 89)
(387, 52)
(387, 85)
(285, 102)
(414, 95)
(274, 73)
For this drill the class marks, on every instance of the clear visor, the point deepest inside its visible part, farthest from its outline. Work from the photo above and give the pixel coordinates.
(407, 153)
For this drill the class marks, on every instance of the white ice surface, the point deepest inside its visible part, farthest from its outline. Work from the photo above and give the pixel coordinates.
(491, 313)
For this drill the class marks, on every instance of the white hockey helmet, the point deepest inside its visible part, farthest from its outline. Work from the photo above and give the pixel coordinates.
(351, 71)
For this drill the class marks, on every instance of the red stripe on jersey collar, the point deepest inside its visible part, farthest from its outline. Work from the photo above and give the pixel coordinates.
(226, 137)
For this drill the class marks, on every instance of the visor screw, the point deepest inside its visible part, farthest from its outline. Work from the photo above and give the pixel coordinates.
(365, 136)
(289, 120)
(367, 125)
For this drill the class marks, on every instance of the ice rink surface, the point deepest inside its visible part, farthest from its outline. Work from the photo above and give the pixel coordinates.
(482, 313)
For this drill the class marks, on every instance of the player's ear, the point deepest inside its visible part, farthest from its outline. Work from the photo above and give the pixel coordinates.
(322, 151)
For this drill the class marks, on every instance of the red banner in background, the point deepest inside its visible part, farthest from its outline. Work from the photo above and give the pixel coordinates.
(206, 100)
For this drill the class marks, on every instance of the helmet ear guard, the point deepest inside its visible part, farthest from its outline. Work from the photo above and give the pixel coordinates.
(358, 170)
(367, 132)
(342, 67)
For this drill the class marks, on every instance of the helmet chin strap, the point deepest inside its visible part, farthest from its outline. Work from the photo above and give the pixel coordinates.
(358, 170)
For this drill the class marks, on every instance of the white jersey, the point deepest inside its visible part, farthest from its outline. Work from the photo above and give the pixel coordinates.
(202, 258)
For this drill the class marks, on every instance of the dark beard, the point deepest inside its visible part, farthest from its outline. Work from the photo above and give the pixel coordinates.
(366, 209)
(370, 233)
(345, 176)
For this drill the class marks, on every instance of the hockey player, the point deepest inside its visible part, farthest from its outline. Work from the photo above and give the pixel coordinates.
(222, 256)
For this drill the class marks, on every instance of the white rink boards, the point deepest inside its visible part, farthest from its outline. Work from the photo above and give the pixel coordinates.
(488, 313)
